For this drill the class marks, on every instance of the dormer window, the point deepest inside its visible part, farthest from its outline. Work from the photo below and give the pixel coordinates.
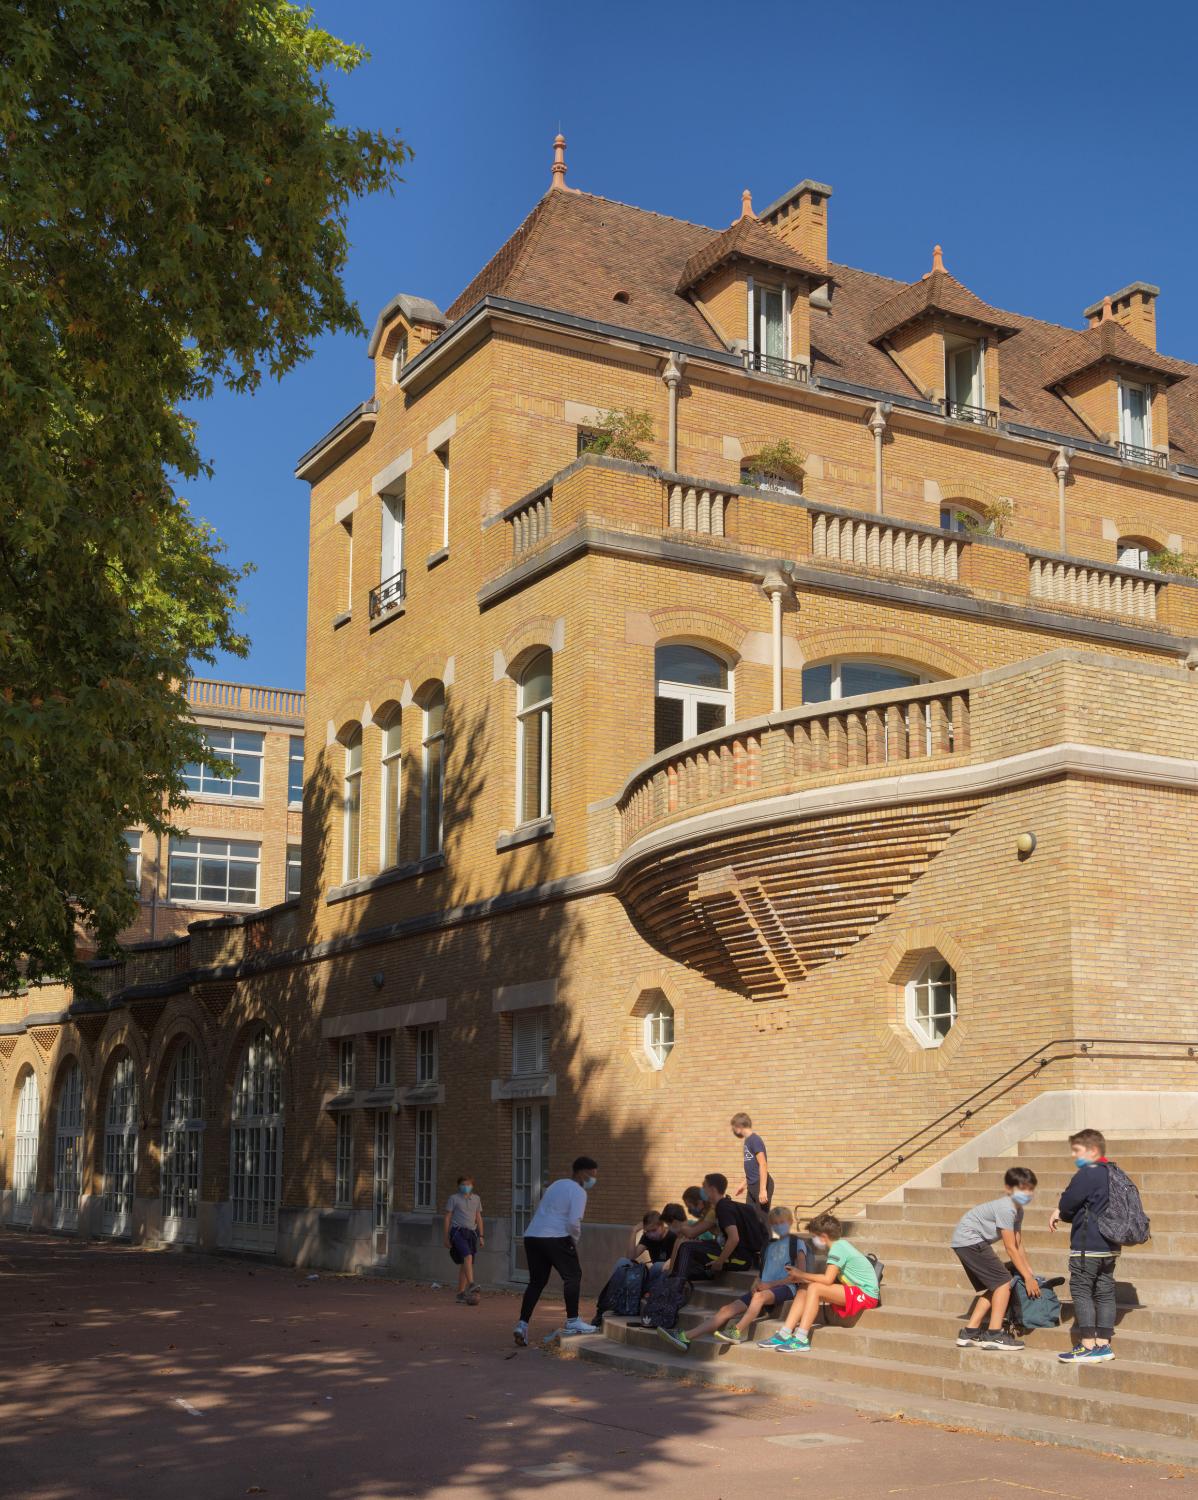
(1135, 415)
(964, 379)
(767, 328)
(400, 357)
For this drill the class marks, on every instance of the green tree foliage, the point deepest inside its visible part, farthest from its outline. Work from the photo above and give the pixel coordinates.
(623, 434)
(173, 196)
(779, 458)
(1182, 564)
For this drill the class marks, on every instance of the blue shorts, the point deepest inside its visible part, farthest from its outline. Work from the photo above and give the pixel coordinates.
(784, 1291)
(462, 1242)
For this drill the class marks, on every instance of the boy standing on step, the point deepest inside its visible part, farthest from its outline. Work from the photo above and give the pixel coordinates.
(973, 1243)
(758, 1186)
(1092, 1257)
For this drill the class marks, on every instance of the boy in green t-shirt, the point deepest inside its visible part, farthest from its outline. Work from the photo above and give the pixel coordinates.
(849, 1285)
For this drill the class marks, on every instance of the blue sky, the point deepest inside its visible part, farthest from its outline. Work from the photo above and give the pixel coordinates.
(1049, 147)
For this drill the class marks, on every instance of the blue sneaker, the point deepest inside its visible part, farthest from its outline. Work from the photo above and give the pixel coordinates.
(800, 1344)
(1080, 1355)
(780, 1340)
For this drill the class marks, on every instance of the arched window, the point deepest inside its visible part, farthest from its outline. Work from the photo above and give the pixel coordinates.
(1136, 552)
(257, 1146)
(182, 1139)
(120, 1148)
(389, 790)
(534, 738)
(659, 1031)
(432, 772)
(932, 1002)
(24, 1169)
(963, 518)
(351, 804)
(848, 679)
(68, 1148)
(692, 695)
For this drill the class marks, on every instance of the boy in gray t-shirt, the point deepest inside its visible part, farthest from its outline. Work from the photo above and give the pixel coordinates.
(463, 1236)
(973, 1241)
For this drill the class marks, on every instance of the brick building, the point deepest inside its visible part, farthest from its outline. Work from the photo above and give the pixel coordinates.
(824, 765)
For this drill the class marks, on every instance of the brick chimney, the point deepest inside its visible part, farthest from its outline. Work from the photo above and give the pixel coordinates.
(800, 217)
(1134, 307)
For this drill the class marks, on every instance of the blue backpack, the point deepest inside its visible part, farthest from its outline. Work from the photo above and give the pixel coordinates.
(1043, 1311)
(779, 1254)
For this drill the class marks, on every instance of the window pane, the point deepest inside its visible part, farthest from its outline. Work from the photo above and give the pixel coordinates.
(430, 820)
(532, 737)
(867, 677)
(691, 666)
(817, 683)
(293, 871)
(295, 770)
(537, 682)
(770, 327)
(667, 723)
(434, 715)
(710, 716)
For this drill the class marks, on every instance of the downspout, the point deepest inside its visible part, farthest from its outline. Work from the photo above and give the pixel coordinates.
(154, 889)
(672, 375)
(877, 425)
(774, 586)
(1060, 467)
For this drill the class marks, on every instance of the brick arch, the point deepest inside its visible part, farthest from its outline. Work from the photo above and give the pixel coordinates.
(696, 624)
(255, 1016)
(973, 496)
(1140, 529)
(185, 1020)
(27, 1058)
(908, 647)
(533, 630)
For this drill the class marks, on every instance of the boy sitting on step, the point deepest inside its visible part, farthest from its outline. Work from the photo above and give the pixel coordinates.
(849, 1286)
(770, 1290)
(973, 1243)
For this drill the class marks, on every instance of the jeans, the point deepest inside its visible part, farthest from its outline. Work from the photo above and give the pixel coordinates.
(1092, 1287)
(545, 1254)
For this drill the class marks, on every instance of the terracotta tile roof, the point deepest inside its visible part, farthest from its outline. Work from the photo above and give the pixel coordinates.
(935, 292)
(575, 251)
(1107, 342)
(747, 239)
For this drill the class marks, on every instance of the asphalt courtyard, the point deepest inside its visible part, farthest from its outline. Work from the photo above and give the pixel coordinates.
(166, 1376)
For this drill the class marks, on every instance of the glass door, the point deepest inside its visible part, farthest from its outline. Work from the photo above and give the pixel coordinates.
(1134, 416)
(770, 324)
(382, 1181)
(530, 1175)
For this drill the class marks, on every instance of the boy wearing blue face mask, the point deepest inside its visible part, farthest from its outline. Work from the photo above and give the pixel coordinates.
(973, 1244)
(464, 1234)
(1092, 1257)
(551, 1244)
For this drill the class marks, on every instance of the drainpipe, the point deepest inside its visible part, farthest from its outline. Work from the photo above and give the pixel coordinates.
(154, 889)
(774, 587)
(1060, 467)
(877, 425)
(672, 375)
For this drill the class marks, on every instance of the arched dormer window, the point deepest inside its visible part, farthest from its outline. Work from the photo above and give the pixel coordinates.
(693, 694)
(1136, 552)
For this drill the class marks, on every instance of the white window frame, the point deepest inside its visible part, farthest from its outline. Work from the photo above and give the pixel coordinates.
(399, 357)
(924, 985)
(542, 710)
(295, 866)
(201, 781)
(954, 523)
(208, 850)
(391, 792)
(351, 809)
(133, 841)
(692, 697)
(837, 665)
(424, 1184)
(182, 1145)
(346, 1065)
(432, 839)
(68, 1148)
(25, 1149)
(533, 1027)
(427, 1055)
(392, 518)
(443, 459)
(120, 1147)
(659, 1034)
(256, 1146)
(976, 394)
(292, 761)
(1125, 413)
(758, 318)
(384, 1060)
(384, 1168)
(343, 1164)
(1139, 552)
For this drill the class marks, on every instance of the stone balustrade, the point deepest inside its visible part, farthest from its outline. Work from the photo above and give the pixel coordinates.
(702, 510)
(208, 693)
(1083, 585)
(530, 521)
(874, 542)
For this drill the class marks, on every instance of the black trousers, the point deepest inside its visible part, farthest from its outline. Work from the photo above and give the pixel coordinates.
(544, 1255)
(695, 1255)
(1092, 1287)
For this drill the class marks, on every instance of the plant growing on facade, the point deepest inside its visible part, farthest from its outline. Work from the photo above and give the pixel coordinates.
(1181, 564)
(991, 520)
(623, 433)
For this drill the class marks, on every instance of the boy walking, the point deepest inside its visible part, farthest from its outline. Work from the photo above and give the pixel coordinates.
(1092, 1257)
(758, 1186)
(463, 1235)
(551, 1244)
(973, 1243)
(849, 1286)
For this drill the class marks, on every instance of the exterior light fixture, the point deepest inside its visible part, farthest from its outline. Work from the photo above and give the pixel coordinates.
(379, 979)
(1025, 845)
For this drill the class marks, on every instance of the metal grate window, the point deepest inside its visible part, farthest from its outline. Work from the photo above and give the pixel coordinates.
(384, 1068)
(382, 1168)
(182, 1136)
(530, 1042)
(426, 1157)
(257, 1135)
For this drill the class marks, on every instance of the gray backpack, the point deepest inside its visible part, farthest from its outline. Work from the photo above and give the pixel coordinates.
(1123, 1221)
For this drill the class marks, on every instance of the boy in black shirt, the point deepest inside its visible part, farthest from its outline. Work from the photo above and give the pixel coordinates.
(744, 1229)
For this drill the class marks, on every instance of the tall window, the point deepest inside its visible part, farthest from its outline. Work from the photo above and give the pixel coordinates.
(400, 357)
(1134, 552)
(244, 749)
(390, 790)
(182, 1140)
(443, 460)
(963, 377)
(692, 694)
(392, 535)
(345, 1064)
(347, 553)
(432, 773)
(426, 1055)
(769, 322)
(120, 1148)
(382, 1168)
(426, 1157)
(295, 771)
(343, 1184)
(294, 870)
(133, 859)
(384, 1061)
(847, 679)
(68, 1149)
(530, 1042)
(932, 1002)
(534, 738)
(24, 1168)
(1135, 415)
(256, 1146)
(223, 872)
(351, 806)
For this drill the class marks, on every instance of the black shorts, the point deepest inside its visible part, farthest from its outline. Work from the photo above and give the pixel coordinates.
(985, 1271)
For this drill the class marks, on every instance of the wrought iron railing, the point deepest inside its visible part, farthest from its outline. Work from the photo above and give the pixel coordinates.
(389, 594)
(773, 364)
(1030, 1067)
(1150, 458)
(961, 411)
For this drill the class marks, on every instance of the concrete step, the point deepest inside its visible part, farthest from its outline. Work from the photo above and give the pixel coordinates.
(973, 1190)
(1175, 1222)
(1132, 1145)
(1143, 1397)
(809, 1378)
(1053, 1164)
(1131, 1286)
(868, 1235)
(956, 1301)
(1152, 1181)
(1048, 1252)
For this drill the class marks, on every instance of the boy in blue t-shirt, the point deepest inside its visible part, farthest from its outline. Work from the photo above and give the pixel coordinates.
(758, 1186)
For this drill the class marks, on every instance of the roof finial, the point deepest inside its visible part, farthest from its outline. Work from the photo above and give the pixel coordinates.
(1107, 314)
(558, 176)
(937, 258)
(746, 205)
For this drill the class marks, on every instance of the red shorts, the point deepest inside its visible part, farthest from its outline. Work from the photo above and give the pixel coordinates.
(855, 1301)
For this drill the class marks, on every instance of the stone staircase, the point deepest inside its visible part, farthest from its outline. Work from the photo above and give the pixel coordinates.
(903, 1355)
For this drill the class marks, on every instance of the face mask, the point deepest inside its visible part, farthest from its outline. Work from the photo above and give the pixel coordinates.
(465, 1188)
(818, 1243)
(1083, 1161)
(588, 1183)
(1024, 1198)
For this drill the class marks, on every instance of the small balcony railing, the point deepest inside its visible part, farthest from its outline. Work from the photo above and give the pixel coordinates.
(389, 595)
(772, 364)
(1149, 458)
(961, 411)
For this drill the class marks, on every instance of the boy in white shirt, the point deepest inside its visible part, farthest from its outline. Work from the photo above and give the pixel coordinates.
(551, 1244)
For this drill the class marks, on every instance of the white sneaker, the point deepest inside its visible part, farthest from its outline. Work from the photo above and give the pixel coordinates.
(577, 1326)
(520, 1334)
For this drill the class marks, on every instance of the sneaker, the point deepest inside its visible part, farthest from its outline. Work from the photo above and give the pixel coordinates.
(676, 1337)
(578, 1326)
(520, 1334)
(729, 1335)
(1080, 1355)
(800, 1344)
(968, 1336)
(782, 1339)
(999, 1338)
(461, 1297)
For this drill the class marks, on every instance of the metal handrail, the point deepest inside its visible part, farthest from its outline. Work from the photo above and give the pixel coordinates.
(773, 364)
(390, 593)
(958, 1114)
(961, 411)
(1151, 458)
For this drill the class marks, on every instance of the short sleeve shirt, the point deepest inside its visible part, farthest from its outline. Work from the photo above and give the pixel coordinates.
(464, 1209)
(854, 1267)
(754, 1144)
(751, 1227)
(984, 1224)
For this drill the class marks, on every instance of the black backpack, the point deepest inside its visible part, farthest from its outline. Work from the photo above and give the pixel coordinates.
(1123, 1221)
(667, 1297)
(623, 1292)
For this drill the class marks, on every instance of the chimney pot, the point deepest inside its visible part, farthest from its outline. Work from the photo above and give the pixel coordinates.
(800, 218)
(1133, 307)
